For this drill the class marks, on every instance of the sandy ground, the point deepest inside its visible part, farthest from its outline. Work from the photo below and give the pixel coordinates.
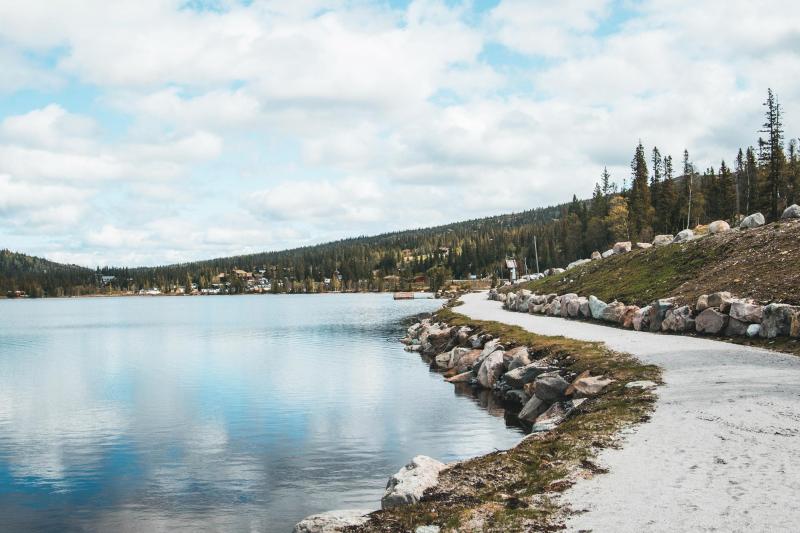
(722, 451)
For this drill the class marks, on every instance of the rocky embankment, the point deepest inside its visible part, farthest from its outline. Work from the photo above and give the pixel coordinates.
(544, 386)
(719, 313)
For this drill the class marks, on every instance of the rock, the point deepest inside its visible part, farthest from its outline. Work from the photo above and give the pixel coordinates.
(613, 312)
(565, 300)
(450, 359)
(711, 321)
(753, 330)
(793, 211)
(596, 307)
(532, 409)
(332, 521)
(557, 271)
(721, 300)
(519, 357)
(550, 387)
(537, 309)
(662, 240)
(518, 377)
(555, 308)
(556, 414)
(736, 328)
(596, 255)
(463, 377)
(776, 320)
(607, 253)
(466, 361)
(684, 236)
(628, 315)
(718, 226)
(679, 320)
(752, 221)
(746, 312)
(408, 485)
(658, 311)
(794, 327)
(585, 311)
(517, 396)
(643, 245)
(588, 386)
(644, 385)
(641, 319)
(579, 262)
(702, 303)
(622, 247)
(491, 369)
(427, 529)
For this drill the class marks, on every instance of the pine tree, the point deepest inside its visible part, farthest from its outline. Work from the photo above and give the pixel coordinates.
(669, 200)
(793, 174)
(726, 190)
(655, 180)
(772, 157)
(640, 209)
(752, 179)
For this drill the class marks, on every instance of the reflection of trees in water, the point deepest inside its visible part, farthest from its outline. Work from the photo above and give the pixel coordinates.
(487, 400)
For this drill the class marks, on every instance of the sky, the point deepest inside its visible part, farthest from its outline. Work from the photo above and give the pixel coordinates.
(148, 132)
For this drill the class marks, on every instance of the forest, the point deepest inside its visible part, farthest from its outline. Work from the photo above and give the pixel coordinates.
(660, 196)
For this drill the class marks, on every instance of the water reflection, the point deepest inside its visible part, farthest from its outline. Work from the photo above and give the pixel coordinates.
(225, 413)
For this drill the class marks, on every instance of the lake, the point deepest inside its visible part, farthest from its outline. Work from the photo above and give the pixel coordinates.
(231, 413)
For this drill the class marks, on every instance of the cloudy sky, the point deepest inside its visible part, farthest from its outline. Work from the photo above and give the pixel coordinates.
(155, 131)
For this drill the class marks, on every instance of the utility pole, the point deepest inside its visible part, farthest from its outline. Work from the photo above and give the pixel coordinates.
(536, 253)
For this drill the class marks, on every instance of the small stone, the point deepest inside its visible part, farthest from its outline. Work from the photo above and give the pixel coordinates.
(753, 330)
(644, 385)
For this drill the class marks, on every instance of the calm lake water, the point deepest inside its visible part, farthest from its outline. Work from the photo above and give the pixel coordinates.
(216, 413)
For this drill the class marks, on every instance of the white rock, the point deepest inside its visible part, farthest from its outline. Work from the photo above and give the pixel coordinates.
(607, 253)
(752, 221)
(662, 240)
(793, 211)
(332, 521)
(684, 236)
(753, 330)
(579, 262)
(408, 485)
(491, 369)
(645, 385)
(718, 226)
(622, 247)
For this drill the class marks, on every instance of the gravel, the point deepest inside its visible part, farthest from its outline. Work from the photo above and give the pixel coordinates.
(721, 452)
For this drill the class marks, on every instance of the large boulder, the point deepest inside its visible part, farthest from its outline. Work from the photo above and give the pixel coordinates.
(721, 299)
(746, 311)
(736, 328)
(449, 359)
(752, 221)
(776, 320)
(585, 386)
(557, 413)
(793, 211)
(550, 387)
(678, 320)
(607, 253)
(565, 300)
(658, 311)
(622, 247)
(613, 312)
(711, 321)
(684, 236)
(491, 369)
(596, 255)
(518, 377)
(718, 226)
(628, 316)
(641, 319)
(794, 327)
(408, 485)
(596, 307)
(332, 521)
(518, 357)
(702, 303)
(663, 240)
(579, 262)
(467, 360)
(532, 409)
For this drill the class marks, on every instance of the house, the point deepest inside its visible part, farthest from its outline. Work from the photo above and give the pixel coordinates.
(105, 280)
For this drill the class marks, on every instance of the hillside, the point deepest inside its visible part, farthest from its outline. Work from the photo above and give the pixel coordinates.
(40, 277)
(760, 263)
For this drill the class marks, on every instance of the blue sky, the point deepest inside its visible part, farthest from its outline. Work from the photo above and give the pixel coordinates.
(150, 132)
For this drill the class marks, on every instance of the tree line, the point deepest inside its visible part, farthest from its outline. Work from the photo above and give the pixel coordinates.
(661, 196)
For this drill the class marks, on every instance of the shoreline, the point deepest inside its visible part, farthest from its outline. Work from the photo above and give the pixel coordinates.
(588, 416)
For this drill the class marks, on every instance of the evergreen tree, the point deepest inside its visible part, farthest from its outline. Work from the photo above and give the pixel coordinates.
(639, 206)
(669, 200)
(772, 157)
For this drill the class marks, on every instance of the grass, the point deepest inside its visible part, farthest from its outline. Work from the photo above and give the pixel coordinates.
(516, 489)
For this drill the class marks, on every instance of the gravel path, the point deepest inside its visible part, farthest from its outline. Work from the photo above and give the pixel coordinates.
(722, 451)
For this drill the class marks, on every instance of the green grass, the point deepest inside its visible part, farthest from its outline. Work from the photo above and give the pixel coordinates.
(513, 490)
(637, 277)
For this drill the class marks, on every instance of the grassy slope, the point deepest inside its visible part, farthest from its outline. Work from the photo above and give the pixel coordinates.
(762, 263)
(513, 490)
